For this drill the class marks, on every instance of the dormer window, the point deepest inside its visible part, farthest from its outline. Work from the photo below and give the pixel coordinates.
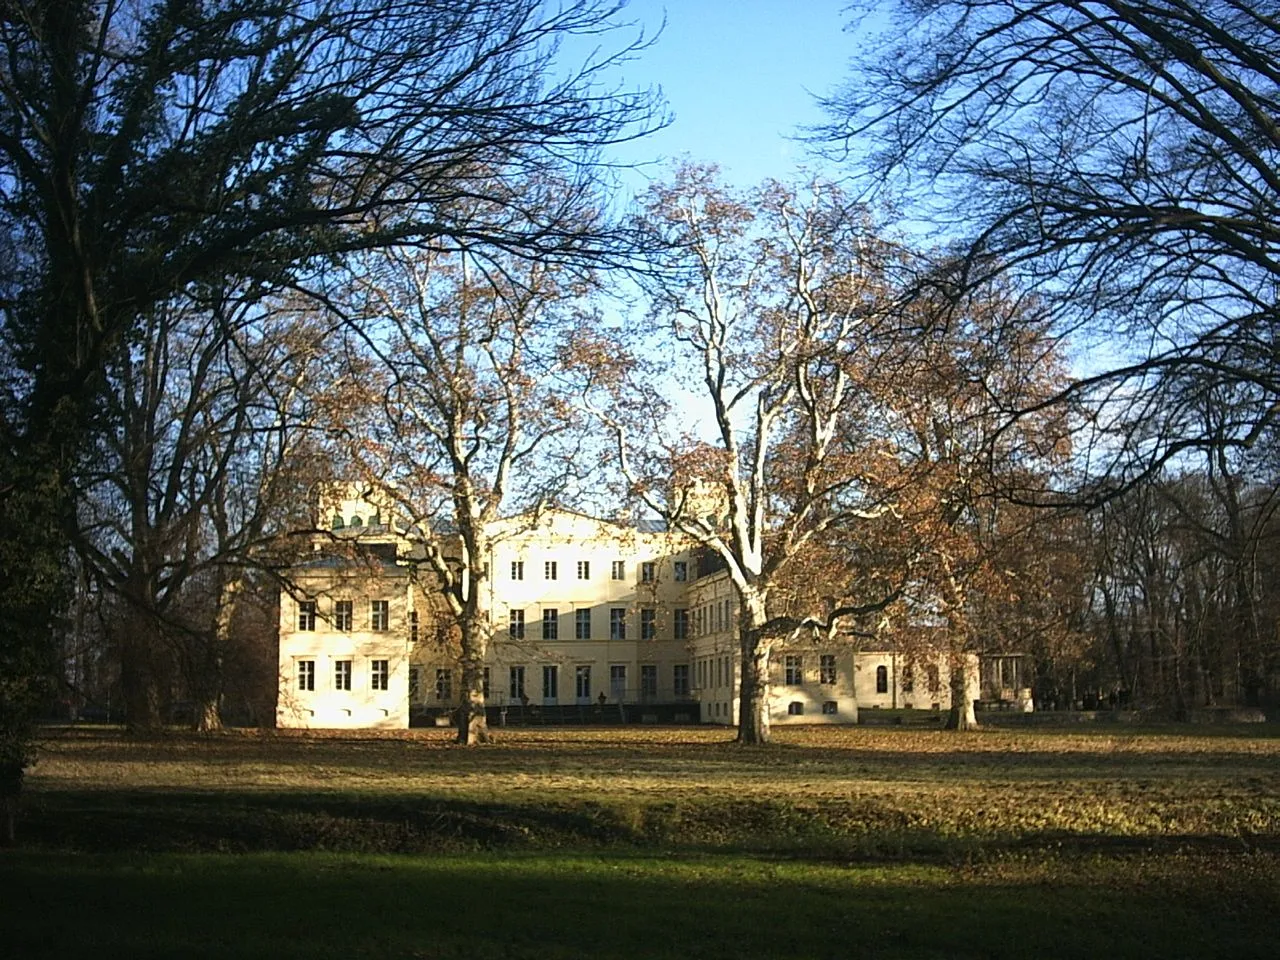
(356, 522)
(337, 522)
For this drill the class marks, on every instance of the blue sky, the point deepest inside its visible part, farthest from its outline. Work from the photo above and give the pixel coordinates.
(740, 77)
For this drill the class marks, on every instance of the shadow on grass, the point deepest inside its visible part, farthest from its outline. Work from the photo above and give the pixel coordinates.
(864, 830)
(476, 907)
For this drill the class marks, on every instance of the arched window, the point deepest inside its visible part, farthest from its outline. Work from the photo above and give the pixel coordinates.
(337, 522)
(356, 522)
(882, 679)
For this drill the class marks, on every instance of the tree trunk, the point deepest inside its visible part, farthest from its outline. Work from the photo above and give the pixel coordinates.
(962, 716)
(208, 715)
(139, 684)
(473, 725)
(207, 687)
(753, 691)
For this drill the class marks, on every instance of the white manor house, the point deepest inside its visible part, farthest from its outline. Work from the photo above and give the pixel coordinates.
(593, 620)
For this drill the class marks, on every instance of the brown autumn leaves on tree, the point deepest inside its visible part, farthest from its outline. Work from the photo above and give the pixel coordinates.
(464, 388)
(853, 409)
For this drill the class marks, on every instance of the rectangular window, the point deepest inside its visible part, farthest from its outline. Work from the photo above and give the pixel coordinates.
(680, 623)
(648, 680)
(648, 571)
(908, 679)
(413, 626)
(582, 680)
(795, 708)
(549, 570)
(550, 624)
(794, 669)
(306, 614)
(306, 675)
(379, 675)
(379, 615)
(485, 683)
(719, 672)
(827, 668)
(444, 684)
(342, 616)
(648, 624)
(550, 682)
(584, 569)
(618, 570)
(342, 674)
(414, 687)
(830, 708)
(582, 624)
(680, 679)
(515, 624)
(618, 681)
(680, 571)
(517, 569)
(617, 623)
(517, 683)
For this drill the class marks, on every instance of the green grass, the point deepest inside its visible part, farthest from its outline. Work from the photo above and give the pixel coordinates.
(622, 905)
(833, 842)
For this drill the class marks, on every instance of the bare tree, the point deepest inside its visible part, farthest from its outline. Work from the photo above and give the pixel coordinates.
(148, 147)
(476, 433)
(771, 306)
(1120, 158)
(200, 474)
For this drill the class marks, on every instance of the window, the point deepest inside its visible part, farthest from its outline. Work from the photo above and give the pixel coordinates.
(931, 671)
(414, 687)
(680, 623)
(827, 668)
(584, 569)
(582, 624)
(882, 680)
(515, 624)
(342, 674)
(648, 624)
(485, 683)
(306, 614)
(444, 684)
(342, 616)
(549, 570)
(648, 680)
(680, 571)
(617, 623)
(829, 708)
(379, 675)
(413, 626)
(908, 679)
(618, 681)
(306, 675)
(795, 708)
(719, 672)
(794, 669)
(550, 624)
(648, 571)
(582, 680)
(517, 683)
(379, 615)
(680, 679)
(517, 569)
(618, 570)
(550, 682)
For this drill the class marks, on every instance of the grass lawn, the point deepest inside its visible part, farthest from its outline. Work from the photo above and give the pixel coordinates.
(833, 842)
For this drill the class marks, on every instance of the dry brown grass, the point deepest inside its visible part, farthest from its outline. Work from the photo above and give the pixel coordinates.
(692, 784)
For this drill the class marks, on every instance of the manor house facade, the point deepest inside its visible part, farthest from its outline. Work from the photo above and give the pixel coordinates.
(588, 616)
